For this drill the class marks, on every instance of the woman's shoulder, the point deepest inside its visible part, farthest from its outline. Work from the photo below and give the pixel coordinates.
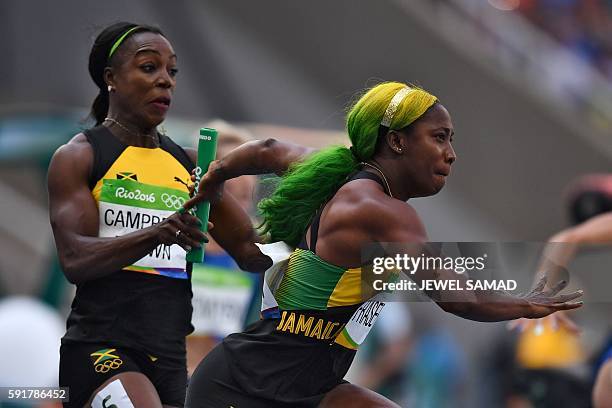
(77, 146)
(369, 206)
(72, 159)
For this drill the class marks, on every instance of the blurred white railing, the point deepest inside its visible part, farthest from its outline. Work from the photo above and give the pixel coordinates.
(510, 46)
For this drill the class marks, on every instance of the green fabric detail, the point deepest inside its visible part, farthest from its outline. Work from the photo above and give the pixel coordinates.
(348, 338)
(215, 276)
(119, 41)
(141, 268)
(135, 194)
(308, 282)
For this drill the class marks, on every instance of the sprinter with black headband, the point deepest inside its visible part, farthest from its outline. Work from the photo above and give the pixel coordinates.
(113, 194)
(327, 208)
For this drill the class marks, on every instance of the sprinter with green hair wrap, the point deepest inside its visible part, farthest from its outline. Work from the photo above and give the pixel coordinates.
(308, 184)
(328, 205)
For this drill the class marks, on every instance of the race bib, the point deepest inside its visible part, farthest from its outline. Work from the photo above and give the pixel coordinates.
(361, 322)
(126, 206)
(279, 252)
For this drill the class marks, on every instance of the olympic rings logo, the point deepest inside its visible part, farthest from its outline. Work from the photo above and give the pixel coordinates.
(172, 201)
(108, 365)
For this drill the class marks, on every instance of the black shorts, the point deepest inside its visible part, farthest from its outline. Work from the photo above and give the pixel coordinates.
(212, 386)
(86, 366)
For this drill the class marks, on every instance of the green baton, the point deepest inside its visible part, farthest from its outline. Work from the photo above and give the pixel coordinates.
(207, 148)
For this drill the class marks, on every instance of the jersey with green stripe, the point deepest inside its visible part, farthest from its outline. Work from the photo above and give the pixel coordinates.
(311, 283)
(145, 305)
(140, 189)
(314, 317)
(319, 300)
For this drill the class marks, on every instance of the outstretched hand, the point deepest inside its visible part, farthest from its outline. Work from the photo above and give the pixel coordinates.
(210, 187)
(546, 301)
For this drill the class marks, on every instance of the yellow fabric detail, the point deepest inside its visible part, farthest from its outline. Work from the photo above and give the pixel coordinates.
(344, 342)
(548, 349)
(104, 353)
(150, 166)
(348, 289)
(140, 269)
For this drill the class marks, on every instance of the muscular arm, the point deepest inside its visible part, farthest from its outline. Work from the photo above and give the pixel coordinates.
(260, 157)
(74, 219)
(562, 247)
(256, 157)
(398, 222)
(234, 231)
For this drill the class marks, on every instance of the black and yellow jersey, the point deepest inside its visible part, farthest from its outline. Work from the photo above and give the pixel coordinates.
(146, 305)
(314, 317)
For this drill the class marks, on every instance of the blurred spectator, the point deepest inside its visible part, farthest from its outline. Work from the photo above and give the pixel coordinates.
(566, 65)
(537, 369)
(548, 347)
(583, 26)
(549, 361)
(547, 351)
(30, 333)
(388, 350)
(548, 388)
(437, 371)
(415, 368)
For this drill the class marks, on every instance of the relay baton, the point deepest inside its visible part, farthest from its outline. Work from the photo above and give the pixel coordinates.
(207, 148)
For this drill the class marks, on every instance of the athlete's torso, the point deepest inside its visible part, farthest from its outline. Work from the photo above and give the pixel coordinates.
(146, 305)
(314, 316)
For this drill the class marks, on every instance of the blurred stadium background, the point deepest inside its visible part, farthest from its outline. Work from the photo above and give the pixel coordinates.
(527, 82)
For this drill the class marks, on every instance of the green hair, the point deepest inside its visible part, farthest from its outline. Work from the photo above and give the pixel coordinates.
(307, 185)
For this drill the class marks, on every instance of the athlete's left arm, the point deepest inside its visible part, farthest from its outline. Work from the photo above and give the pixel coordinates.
(254, 157)
(394, 221)
(234, 231)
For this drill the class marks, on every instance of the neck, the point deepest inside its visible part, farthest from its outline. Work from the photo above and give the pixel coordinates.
(128, 130)
(397, 183)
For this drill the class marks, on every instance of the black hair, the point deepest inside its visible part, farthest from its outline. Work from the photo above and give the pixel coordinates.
(589, 204)
(98, 61)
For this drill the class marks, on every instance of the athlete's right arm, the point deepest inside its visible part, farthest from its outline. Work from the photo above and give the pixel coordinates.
(398, 222)
(74, 218)
(260, 157)
(255, 157)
